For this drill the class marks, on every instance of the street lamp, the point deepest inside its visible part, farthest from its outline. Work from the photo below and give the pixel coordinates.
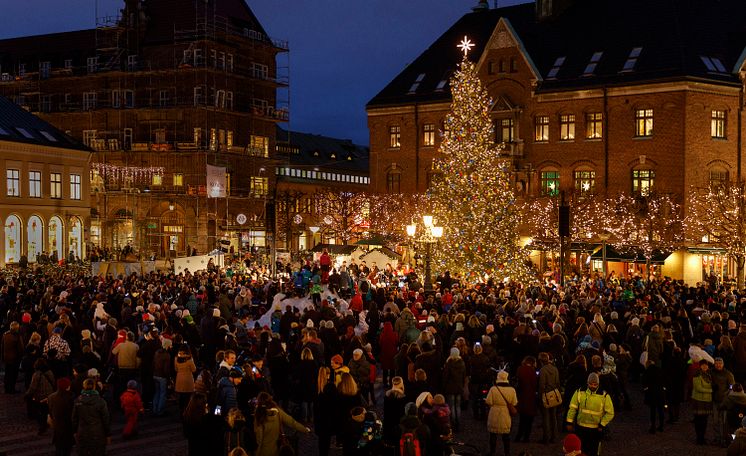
(604, 236)
(313, 229)
(429, 237)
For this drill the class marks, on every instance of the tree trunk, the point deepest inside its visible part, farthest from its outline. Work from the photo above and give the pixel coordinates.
(740, 260)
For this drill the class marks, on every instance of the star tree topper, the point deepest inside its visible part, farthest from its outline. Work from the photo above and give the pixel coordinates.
(465, 45)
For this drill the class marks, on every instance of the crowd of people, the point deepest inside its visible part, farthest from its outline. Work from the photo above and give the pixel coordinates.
(366, 360)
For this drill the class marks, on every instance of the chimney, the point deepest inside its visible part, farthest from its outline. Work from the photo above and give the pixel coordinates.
(481, 6)
(548, 9)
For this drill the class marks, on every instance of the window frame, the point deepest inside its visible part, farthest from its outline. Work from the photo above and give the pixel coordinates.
(719, 124)
(34, 184)
(541, 129)
(546, 178)
(638, 179)
(76, 186)
(55, 185)
(584, 176)
(13, 182)
(594, 125)
(428, 134)
(567, 127)
(644, 122)
(393, 181)
(394, 137)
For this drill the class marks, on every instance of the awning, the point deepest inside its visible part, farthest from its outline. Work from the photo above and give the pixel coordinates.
(658, 257)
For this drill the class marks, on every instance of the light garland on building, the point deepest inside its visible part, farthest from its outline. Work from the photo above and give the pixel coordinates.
(131, 173)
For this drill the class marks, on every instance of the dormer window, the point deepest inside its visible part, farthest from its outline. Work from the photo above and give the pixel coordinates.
(543, 8)
(416, 83)
(555, 68)
(629, 65)
(591, 67)
(713, 64)
(333, 156)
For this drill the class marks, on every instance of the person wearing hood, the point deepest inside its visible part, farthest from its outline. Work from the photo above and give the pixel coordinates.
(499, 420)
(132, 406)
(701, 399)
(654, 344)
(269, 420)
(571, 446)
(90, 419)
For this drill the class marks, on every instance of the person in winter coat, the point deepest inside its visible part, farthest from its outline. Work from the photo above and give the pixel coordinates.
(201, 427)
(307, 373)
(236, 435)
(479, 379)
(91, 421)
(161, 374)
(499, 421)
(734, 407)
(738, 446)
(387, 344)
(325, 414)
(549, 380)
(227, 395)
(454, 380)
(393, 408)
(406, 326)
(360, 371)
(61, 404)
(655, 394)
(348, 397)
(413, 431)
(269, 419)
(42, 385)
(131, 403)
(438, 419)
(701, 400)
(527, 386)
(654, 344)
(12, 352)
(184, 384)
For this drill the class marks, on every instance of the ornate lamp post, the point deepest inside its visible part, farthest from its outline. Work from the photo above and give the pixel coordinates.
(313, 229)
(429, 237)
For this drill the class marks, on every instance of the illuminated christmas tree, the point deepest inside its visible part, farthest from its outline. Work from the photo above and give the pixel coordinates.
(472, 196)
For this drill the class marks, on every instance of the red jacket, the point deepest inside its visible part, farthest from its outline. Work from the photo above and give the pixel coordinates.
(388, 341)
(131, 401)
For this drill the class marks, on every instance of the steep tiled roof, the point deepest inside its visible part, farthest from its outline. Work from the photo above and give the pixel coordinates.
(674, 36)
(323, 151)
(17, 125)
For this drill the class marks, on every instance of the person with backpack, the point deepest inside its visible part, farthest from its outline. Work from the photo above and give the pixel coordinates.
(414, 434)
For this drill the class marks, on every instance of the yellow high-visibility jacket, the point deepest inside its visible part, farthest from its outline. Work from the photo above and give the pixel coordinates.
(592, 409)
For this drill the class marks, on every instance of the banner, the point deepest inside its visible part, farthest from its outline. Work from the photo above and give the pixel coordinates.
(215, 181)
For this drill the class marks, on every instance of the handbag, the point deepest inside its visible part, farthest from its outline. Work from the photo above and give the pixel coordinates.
(551, 399)
(511, 408)
(285, 447)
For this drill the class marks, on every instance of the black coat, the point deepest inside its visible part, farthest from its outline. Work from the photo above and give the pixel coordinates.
(324, 411)
(393, 411)
(653, 385)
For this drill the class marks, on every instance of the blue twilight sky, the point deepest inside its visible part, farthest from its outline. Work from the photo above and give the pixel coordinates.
(342, 52)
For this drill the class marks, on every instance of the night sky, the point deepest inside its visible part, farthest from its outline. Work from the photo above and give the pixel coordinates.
(341, 52)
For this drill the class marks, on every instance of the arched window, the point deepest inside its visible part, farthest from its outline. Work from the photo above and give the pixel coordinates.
(393, 181)
(54, 239)
(584, 181)
(12, 239)
(643, 181)
(75, 238)
(549, 182)
(718, 177)
(34, 238)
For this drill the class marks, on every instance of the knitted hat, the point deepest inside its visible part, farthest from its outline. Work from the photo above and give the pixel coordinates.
(411, 409)
(309, 323)
(26, 318)
(571, 443)
(358, 414)
(235, 373)
(215, 312)
(337, 359)
(439, 399)
(63, 383)
(357, 352)
(132, 384)
(593, 378)
(93, 372)
(397, 384)
(422, 398)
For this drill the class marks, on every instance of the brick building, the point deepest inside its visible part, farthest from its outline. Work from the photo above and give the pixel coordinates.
(160, 92)
(44, 198)
(589, 96)
(309, 164)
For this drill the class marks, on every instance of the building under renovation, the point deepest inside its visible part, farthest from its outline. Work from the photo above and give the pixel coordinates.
(179, 99)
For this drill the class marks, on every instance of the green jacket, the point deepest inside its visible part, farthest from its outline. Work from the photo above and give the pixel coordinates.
(589, 409)
(701, 389)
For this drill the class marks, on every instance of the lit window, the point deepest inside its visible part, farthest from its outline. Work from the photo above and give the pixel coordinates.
(395, 136)
(585, 181)
(178, 180)
(89, 100)
(567, 127)
(642, 181)
(594, 125)
(12, 180)
(429, 137)
(259, 186)
(157, 179)
(228, 178)
(717, 125)
(34, 184)
(541, 132)
(55, 185)
(644, 122)
(75, 186)
(505, 131)
(258, 146)
(550, 183)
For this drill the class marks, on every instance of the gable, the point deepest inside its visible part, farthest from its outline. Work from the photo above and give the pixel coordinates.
(505, 37)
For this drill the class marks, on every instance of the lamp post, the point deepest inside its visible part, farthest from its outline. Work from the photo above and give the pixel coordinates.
(429, 237)
(604, 236)
(313, 229)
